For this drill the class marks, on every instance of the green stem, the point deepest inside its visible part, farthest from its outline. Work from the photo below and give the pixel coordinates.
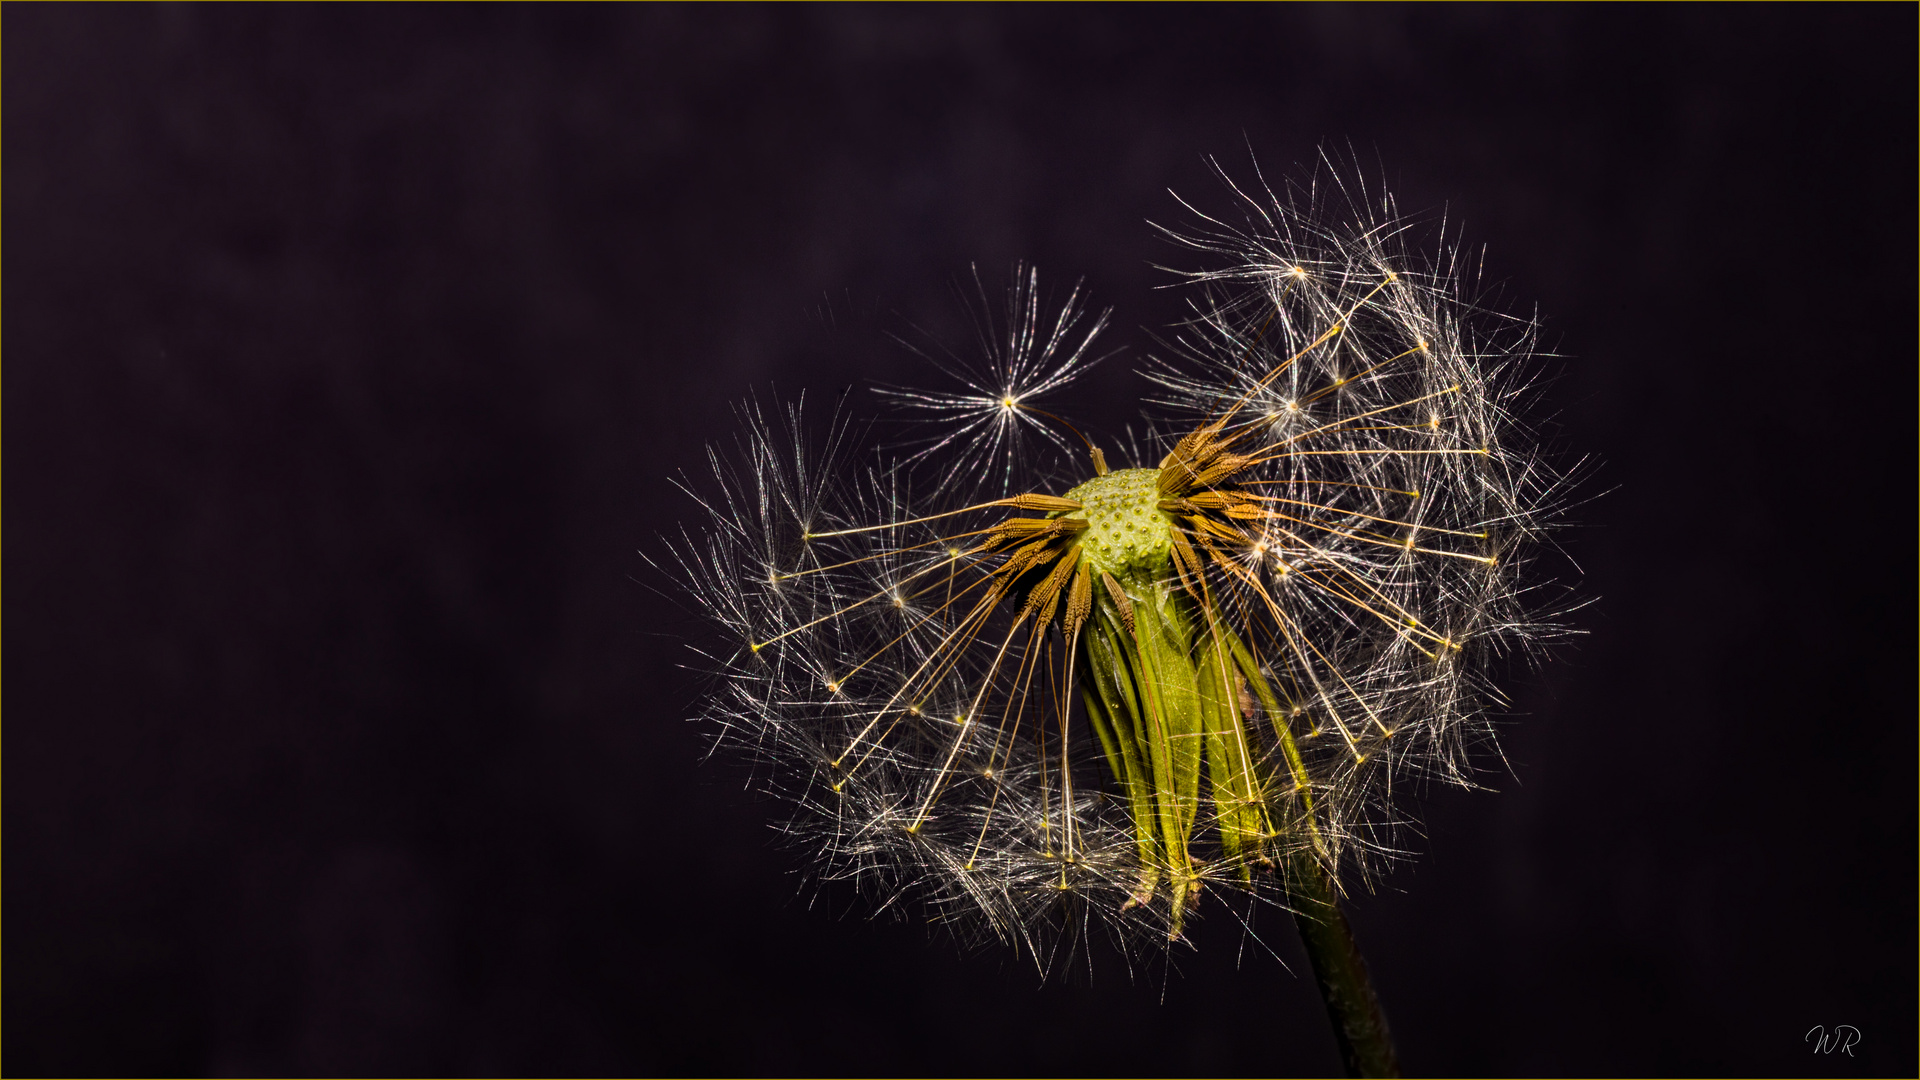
(1358, 1024)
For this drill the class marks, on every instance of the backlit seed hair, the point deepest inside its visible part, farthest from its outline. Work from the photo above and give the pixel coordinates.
(1037, 707)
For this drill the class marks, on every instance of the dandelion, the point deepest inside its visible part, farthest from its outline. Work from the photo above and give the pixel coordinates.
(1038, 703)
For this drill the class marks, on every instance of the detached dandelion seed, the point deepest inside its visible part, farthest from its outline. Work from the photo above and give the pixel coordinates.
(1040, 705)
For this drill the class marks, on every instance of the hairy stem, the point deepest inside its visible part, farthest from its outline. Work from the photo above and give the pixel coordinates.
(1358, 1024)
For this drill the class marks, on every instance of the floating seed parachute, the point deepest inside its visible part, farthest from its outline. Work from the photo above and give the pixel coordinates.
(1035, 700)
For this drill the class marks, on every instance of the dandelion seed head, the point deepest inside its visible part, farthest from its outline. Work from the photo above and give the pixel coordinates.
(1315, 571)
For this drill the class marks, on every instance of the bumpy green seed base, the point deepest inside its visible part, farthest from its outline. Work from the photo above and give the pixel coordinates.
(1127, 534)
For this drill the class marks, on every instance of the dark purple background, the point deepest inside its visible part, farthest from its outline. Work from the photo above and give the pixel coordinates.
(348, 351)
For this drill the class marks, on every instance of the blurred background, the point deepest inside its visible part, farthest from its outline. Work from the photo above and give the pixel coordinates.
(349, 352)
